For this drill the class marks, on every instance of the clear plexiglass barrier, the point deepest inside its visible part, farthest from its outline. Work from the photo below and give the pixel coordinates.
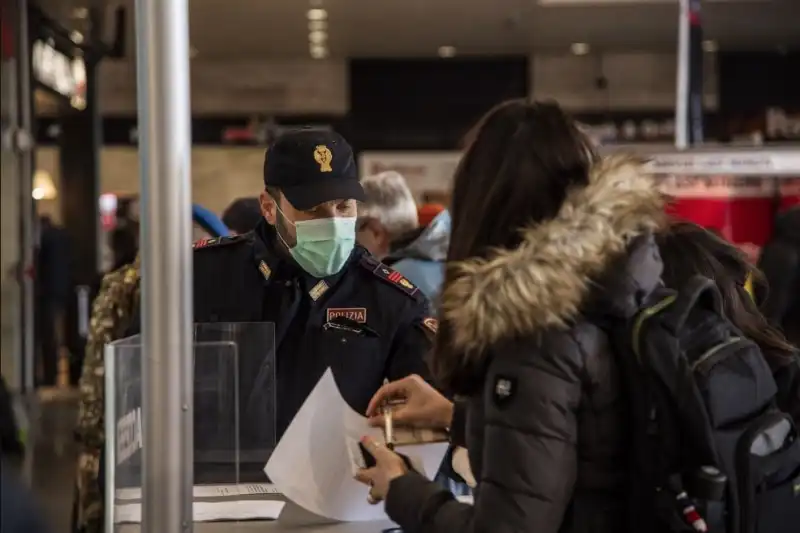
(234, 419)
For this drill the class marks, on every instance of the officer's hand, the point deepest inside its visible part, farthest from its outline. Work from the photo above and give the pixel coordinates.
(422, 405)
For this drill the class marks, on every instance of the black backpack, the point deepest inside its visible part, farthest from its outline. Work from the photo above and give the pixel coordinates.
(710, 450)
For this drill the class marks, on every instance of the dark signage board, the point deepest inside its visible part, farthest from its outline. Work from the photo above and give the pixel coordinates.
(229, 131)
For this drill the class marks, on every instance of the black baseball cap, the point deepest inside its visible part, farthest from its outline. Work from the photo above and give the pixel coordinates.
(311, 167)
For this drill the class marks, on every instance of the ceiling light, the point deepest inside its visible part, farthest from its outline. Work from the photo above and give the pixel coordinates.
(318, 51)
(447, 51)
(579, 49)
(80, 13)
(317, 25)
(710, 46)
(317, 37)
(317, 14)
(76, 36)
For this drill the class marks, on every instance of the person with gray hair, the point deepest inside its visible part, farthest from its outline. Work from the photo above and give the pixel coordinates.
(388, 213)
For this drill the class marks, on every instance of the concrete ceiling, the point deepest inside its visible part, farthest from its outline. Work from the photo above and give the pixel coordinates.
(253, 29)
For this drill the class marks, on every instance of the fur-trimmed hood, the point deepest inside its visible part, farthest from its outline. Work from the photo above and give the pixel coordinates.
(563, 265)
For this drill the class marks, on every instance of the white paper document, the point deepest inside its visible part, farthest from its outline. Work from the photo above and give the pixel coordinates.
(313, 463)
(131, 513)
(208, 491)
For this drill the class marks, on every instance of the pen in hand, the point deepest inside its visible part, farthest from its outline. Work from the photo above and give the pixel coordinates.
(388, 427)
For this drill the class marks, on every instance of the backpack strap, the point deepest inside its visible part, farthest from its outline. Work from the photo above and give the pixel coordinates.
(698, 291)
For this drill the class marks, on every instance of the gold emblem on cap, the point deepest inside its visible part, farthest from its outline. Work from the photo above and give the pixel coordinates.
(323, 156)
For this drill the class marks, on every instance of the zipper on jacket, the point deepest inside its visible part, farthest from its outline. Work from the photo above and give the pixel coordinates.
(643, 316)
(712, 355)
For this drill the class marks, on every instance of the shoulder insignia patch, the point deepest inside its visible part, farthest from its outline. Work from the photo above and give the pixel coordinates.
(318, 290)
(218, 241)
(431, 324)
(390, 276)
(265, 270)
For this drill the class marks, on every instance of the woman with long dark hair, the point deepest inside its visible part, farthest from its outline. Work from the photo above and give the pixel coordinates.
(688, 250)
(549, 242)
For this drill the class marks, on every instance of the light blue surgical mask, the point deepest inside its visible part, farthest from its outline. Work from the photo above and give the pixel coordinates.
(323, 244)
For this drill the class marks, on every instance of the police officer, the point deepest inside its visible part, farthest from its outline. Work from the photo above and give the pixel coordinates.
(332, 303)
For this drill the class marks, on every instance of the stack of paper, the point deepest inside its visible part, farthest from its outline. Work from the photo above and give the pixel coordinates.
(131, 513)
(209, 491)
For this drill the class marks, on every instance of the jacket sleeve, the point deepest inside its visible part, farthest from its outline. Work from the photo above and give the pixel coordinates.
(529, 456)
(109, 321)
(458, 427)
(412, 345)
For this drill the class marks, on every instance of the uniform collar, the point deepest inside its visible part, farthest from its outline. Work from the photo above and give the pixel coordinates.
(275, 265)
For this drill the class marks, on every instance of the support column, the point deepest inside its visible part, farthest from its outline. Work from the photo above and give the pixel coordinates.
(162, 53)
(80, 142)
(689, 104)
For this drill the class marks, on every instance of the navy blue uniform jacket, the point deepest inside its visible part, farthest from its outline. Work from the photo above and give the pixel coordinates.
(367, 323)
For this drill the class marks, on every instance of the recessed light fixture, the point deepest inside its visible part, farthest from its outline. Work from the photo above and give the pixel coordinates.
(579, 49)
(80, 13)
(317, 37)
(317, 25)
(710, 46)
(318, 51)
(447, 51)
(317, 14)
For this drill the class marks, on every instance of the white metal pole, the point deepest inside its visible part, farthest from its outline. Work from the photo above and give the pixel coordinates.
(110, 466)
(682, 88)
(162, 37)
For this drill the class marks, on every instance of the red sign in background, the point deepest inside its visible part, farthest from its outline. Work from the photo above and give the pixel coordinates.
(742, 209)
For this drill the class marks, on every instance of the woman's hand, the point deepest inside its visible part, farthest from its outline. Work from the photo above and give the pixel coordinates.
(422, 405)
(388, 466)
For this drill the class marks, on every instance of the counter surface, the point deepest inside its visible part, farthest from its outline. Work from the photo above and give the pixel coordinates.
(273, 527)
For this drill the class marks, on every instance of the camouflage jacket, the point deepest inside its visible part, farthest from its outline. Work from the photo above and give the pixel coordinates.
(111, 316)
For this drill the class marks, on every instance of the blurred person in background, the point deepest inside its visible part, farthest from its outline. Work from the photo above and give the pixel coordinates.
(388, 212)
(242, 216)
(112, 316)
(389, 227)
(53, 284)
(427, 212)
(688, 250)
(420, 254)
(548, 244)
(780, 263)
(124, 242)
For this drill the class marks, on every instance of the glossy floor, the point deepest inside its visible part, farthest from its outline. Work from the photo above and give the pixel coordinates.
(53, 460)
